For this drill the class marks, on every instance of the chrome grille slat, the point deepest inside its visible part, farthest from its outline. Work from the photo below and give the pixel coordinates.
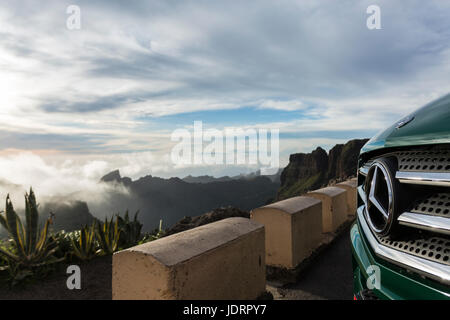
(364, 170)
(426, 222)
(425, 178)
(362, 194)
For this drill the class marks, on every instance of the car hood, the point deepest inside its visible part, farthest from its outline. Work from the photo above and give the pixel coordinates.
(429, 125)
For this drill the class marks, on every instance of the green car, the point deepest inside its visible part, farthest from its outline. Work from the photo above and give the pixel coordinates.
(401, 237)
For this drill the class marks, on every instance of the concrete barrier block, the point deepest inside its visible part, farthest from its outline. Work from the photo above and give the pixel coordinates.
(293, 229)
(220, 260)
(351, 187)
(334, 207)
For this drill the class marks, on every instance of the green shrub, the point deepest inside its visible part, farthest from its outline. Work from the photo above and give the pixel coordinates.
(63, 242)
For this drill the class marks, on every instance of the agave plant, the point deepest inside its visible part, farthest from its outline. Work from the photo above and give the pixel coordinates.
(154, 235)
(130, 230)
(160, 231)
(30, 246)
(83, 245)
(108, 235)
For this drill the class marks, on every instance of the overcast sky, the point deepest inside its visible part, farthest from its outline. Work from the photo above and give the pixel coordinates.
(109, 95)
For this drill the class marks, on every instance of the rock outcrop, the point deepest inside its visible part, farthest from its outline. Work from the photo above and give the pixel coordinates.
(343, 159)
(215, 215)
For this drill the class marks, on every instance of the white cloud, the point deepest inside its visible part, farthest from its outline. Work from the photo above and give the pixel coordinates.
(289, 105)
(96, 95)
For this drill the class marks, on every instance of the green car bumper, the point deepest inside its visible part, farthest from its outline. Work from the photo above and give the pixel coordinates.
(395, 283)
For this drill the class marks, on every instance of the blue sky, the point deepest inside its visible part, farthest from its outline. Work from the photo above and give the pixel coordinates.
(108, 95)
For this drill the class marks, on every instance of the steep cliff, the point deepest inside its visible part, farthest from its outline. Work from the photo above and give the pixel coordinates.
(304, 172)
(343, 159)
(308, 171)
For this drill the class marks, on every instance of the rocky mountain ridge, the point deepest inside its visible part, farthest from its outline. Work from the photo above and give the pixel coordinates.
(172, 199)
(308, 171)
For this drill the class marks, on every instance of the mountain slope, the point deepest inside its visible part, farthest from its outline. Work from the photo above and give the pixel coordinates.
(172, 199)
(69, 216)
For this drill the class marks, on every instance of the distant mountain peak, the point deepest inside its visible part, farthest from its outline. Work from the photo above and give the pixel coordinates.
(113, 176)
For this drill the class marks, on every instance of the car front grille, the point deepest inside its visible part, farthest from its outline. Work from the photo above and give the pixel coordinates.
(421, 240)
